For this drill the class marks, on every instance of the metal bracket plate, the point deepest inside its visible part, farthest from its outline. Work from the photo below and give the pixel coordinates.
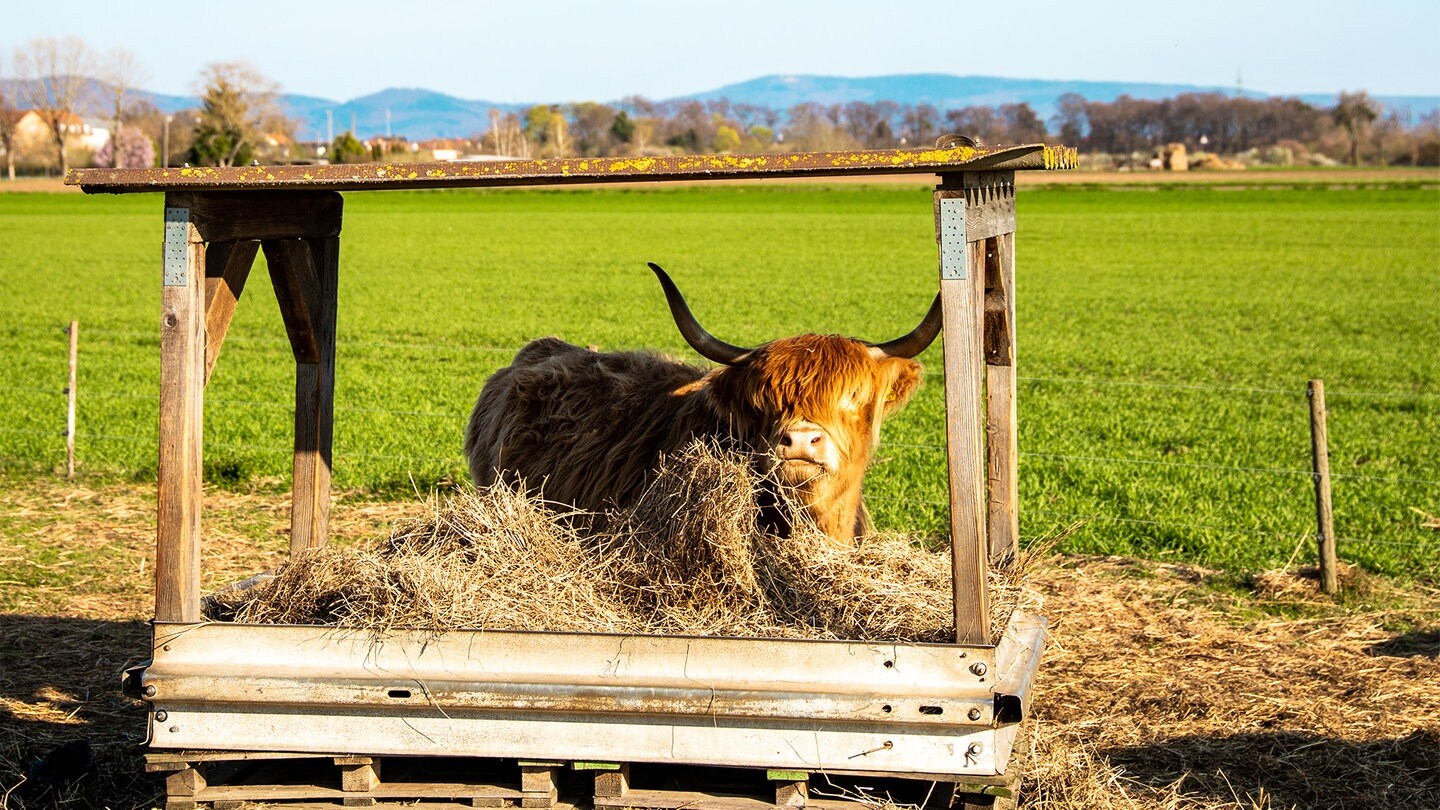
(177, 247)
(954, 253)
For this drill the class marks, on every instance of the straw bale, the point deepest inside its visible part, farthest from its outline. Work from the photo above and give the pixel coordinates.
(689, 556)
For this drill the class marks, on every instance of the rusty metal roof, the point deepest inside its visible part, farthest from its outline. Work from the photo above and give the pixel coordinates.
(570, 171)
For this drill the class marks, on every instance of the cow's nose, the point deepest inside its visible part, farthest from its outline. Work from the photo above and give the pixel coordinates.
(802, 443)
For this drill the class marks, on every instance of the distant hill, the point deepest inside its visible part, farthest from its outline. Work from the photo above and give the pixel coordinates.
(415, 113)
(421, 114)
(951, 92)
(942, 90)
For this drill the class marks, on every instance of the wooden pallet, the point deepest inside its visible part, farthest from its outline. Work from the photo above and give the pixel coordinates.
(227, 780)
(620, 786)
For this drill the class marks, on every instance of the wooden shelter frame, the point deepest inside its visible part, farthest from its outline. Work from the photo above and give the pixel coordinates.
(218, 219)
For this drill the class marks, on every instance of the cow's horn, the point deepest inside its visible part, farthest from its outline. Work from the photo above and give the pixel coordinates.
(919, 338)
(709, 346)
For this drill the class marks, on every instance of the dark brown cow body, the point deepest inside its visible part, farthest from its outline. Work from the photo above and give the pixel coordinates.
(588, 427)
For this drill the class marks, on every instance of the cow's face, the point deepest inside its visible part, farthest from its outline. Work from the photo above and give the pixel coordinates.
(811, 405)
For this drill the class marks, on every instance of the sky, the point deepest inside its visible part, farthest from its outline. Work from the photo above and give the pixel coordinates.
(570, 50)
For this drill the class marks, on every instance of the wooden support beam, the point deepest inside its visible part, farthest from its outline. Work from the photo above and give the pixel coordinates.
(227, 266)
(792, 788)
(962, 289)
(990, 213)
(359, 775)
(182, 391)
(612, 784)
(538, 788)
(225, 216)
(187, 781)
(294, 273)
(1002, 450)
(314, 393)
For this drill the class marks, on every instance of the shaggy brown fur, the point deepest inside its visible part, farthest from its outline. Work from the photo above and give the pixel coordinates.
(591, 427)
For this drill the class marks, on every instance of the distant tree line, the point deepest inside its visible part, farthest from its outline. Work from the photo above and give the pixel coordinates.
(1357, 129)
(240, 120)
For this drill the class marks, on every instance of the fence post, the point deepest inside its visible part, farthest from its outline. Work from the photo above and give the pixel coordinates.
(70, 409)
(1325, 517)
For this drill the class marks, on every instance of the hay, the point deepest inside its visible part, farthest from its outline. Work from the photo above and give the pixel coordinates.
(1163, 686)
(688, 557)
(1160, 689)
(482, 559)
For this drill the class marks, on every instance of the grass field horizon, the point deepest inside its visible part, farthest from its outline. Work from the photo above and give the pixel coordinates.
(1164, 341)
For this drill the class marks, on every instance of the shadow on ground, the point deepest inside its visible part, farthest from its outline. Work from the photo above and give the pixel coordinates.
(1422, 643)
(68, 738)
(1293, 769)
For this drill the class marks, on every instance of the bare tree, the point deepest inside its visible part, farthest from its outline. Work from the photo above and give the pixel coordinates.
(869, 124)
(505, 135)
(238, 106)
(122, 73)
(1020, 124)
(590, 128)
(980, 122)
(920, 122)
(54, 79)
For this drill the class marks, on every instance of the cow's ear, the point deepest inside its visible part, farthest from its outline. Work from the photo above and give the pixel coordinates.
(727, 388)
(905, 376)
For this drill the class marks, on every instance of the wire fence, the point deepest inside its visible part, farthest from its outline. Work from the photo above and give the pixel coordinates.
(91, 440)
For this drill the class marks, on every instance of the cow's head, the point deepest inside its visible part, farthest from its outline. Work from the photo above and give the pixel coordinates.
(811, 406)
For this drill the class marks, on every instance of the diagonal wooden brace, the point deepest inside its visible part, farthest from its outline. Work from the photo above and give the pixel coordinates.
(297, 288)
(227, 266)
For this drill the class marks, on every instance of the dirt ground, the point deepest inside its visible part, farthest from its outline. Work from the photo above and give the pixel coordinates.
(1163, 686)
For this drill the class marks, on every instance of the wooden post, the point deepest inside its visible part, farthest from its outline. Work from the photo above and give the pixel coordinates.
(792, 788)
(612, 779)
(182, 391)
(305, 274)
(974, 221)
(1324, 514)
(193, 304)
(962, 301)
(182, 786)
(537, 783)
(70, 403)
(1002, 523)
(359, 775)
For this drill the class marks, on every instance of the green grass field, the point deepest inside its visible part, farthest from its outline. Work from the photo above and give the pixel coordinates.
(1164, 337)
